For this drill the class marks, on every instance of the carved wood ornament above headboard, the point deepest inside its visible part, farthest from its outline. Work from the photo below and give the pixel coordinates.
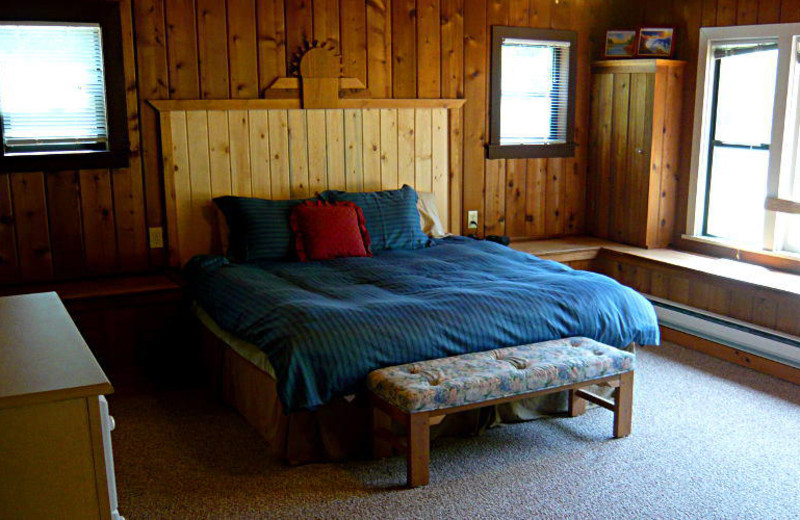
(293, 148)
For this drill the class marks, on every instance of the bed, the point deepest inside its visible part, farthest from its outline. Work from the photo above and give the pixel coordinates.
(289, 344)
(325, 325)
(321, 327)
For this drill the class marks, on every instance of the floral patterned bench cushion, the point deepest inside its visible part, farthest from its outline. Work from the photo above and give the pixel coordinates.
(473, 378)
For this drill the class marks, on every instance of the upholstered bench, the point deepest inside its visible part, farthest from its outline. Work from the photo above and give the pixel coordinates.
(418, 395)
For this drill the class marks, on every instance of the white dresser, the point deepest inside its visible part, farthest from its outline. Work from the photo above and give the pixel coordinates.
(55, 442)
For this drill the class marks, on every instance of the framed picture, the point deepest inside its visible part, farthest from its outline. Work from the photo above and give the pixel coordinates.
(620, 43)
(656, 42)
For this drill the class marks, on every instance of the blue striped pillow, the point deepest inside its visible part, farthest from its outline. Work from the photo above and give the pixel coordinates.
(259, 228)
(392, 217)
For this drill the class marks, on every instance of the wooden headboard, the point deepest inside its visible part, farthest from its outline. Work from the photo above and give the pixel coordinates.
(273, 149)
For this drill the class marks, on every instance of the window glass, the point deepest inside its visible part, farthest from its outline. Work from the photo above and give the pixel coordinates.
(532, 91)
(52, 89)
(736, 195)
(535, 81)
(739, 152)
(746, 97)
(792, 243)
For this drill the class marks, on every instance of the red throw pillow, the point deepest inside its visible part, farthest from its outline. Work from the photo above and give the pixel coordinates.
(326, 230)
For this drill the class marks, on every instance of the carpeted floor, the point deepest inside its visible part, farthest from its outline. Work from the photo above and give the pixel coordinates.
(710, 440)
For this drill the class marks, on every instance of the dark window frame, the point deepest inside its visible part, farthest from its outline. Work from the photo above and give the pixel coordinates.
(494, 149)
(107, 15)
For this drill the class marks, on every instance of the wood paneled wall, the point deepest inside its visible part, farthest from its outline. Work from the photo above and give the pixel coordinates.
(689, 16)
(70, 224)
(397, 48)
(284, 154)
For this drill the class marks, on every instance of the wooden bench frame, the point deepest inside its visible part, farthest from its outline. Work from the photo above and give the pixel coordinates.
(417, 424)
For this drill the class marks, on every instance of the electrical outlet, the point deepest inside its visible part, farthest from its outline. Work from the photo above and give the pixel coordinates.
(156, 237)
(472, 219)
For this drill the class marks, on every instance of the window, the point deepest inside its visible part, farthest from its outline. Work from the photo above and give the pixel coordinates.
(62, 98)
(745, 171)
(533, 88)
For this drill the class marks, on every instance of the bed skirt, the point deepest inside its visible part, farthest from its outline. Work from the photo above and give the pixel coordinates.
(339, 430)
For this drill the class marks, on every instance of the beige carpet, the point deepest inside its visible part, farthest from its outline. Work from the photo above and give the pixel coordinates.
(710, 440)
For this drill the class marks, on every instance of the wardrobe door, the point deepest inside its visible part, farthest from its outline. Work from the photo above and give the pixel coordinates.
(599, 201)
(640, 137)
(620, 189)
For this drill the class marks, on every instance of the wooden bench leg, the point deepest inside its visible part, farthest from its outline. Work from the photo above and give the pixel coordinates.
(418, 455)
(623, 405)
(381, 425)
(577, 406)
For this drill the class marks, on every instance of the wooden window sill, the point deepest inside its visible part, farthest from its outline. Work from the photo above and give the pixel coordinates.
(718, 248)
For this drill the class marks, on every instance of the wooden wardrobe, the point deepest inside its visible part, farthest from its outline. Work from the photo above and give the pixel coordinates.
(635, 135)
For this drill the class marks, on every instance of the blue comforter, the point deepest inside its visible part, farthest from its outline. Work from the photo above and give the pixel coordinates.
(326, 325)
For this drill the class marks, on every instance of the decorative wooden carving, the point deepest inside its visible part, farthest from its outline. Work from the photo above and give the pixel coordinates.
(319, 71)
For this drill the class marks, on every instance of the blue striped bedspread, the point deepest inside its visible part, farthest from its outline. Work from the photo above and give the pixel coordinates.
(325, 325)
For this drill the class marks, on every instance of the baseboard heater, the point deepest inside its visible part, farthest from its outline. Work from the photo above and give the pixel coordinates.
(734, 333)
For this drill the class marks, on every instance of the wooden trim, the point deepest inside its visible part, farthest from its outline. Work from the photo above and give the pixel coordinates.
(745, 359)
(634, 66)
(529, 151)
(167, 105)
(294, 84)
(782, 205)
(169, 167)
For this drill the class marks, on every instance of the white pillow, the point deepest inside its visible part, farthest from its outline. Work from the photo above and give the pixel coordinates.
(429, 216)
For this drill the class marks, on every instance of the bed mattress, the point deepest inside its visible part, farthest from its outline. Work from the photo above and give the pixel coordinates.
(324, 326)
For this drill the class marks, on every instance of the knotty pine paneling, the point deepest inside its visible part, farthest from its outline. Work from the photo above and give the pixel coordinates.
(401, 49)
(212, 153)
(71, 224)
(190, 49)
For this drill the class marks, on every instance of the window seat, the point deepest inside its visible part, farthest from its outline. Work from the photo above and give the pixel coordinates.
(746, 292)
(579, 248)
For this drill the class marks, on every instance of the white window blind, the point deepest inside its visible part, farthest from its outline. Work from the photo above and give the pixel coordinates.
(52, 89)
(535, 92)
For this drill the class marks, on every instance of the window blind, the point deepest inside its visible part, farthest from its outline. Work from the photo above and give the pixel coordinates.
(52, 89)
(535, 91)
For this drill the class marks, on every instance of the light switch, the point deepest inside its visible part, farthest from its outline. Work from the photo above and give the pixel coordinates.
(156, 237)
